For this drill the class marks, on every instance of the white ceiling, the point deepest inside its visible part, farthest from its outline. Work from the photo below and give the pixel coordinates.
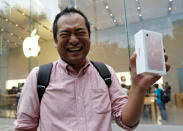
(43, 15)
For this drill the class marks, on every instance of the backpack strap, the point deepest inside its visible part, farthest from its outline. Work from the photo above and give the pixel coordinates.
(45, 72)
(43, 79)
(103, 71)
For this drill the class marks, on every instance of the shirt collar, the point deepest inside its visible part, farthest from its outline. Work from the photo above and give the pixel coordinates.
(69, 70)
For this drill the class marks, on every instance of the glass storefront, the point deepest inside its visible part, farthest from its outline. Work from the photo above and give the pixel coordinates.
(113, 25)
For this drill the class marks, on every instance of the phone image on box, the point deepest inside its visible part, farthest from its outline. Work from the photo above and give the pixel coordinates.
(154, 51)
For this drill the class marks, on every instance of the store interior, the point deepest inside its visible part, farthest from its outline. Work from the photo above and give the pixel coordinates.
(113, 25)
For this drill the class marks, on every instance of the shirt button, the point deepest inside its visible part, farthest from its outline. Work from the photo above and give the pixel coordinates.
(81, 118)
(79, 97)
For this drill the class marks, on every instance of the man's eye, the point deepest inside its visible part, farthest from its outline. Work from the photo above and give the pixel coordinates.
(81, 33)
(64, 35)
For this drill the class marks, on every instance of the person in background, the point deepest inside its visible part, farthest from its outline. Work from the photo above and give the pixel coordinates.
(77, 98)
(161, 105)
(167, 88)
(13, 90)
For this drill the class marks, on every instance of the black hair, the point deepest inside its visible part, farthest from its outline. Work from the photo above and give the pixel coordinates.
(65, 12)
(156, 85)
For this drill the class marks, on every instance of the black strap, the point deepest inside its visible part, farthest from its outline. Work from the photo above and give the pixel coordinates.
(103, 71)
(43, 79)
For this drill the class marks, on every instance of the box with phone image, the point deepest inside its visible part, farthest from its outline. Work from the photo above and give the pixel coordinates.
(150, 52)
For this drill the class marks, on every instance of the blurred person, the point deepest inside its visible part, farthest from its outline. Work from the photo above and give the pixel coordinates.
(77, 97)
(167, 88)
(161, 104)
(13, 90)
(148, 92)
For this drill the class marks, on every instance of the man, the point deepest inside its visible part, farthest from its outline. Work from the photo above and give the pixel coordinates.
(168, 90)
(160, 103)
(77, 98)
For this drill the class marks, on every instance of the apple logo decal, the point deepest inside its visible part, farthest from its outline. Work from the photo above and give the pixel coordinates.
(30, 45)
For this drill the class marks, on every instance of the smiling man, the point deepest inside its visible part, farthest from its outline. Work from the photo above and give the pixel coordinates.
(72, 40)
(77, 98)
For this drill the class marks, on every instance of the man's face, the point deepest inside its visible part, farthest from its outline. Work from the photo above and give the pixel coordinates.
(73, 42)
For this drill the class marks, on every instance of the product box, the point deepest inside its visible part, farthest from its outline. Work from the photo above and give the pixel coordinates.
(150, 52)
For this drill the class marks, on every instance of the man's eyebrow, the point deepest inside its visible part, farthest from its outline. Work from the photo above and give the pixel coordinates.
(64, 31)
(81, 28)
(67, 31)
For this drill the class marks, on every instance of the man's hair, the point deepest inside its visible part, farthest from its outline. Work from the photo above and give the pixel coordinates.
(65, 12)
(156, 85)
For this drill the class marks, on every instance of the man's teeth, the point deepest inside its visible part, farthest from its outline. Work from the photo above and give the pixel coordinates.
(75, 49)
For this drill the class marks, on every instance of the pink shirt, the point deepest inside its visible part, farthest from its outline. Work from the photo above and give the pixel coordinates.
(71, 102)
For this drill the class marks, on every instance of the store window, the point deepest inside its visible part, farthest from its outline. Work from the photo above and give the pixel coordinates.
(113, 25)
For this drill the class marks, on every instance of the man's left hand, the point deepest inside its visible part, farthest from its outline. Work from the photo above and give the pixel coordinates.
(145, 80)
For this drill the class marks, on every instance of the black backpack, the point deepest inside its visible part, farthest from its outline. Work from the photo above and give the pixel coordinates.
(164, 97)
(45, 71)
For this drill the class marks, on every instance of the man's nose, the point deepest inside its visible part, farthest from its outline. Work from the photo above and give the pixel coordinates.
(73, 39)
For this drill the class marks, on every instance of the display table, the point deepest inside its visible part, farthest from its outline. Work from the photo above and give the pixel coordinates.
(8, 103)
(179, 99)
(152, 102)
(8, 100)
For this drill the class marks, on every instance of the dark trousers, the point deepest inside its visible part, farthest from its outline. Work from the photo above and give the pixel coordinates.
(162, 109)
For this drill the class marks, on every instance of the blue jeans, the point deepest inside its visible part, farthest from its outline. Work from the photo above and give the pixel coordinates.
(162, 111)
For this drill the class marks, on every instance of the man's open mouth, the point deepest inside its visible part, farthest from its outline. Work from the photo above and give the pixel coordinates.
(74, 49)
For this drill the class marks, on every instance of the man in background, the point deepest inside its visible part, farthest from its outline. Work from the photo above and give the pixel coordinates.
(167, 88)
(161, 104)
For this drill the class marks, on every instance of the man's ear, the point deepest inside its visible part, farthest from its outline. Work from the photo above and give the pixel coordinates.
(55, 43)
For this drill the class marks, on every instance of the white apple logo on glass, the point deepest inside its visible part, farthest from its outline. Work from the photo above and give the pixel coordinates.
(30, 45)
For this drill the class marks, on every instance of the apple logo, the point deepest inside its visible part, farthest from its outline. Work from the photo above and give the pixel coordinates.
(30, 45)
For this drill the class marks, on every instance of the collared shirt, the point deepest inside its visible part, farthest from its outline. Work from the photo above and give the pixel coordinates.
(72, 101)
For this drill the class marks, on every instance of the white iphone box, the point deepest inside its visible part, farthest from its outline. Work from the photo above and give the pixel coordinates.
(150, 52)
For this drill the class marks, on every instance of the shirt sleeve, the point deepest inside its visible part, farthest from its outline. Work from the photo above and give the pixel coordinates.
(155, 92)
(28, 107)
(118, 100)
